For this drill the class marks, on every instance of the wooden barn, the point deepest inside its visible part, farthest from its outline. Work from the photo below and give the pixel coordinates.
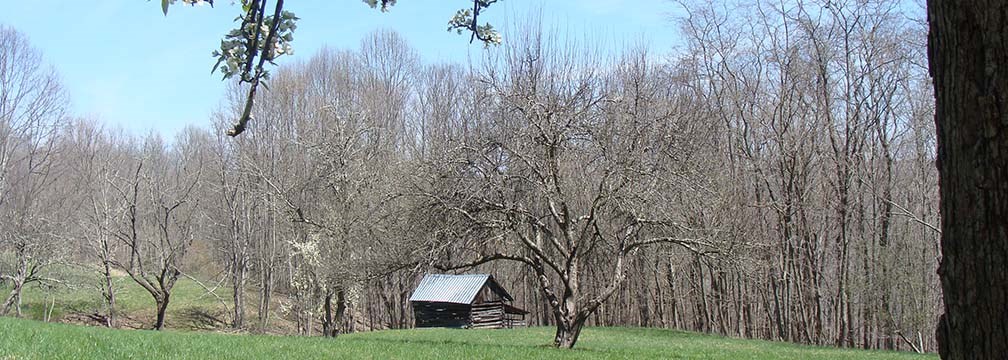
(464, 301)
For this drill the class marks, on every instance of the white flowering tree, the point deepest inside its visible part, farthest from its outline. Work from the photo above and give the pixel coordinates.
(265, 33)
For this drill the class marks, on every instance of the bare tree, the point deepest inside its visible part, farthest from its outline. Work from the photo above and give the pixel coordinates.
(575, 166)
(773, 180)
(238, 221)
(346, 115)
(32, 104)
(98, 159)
(818, 102)
(162, 218)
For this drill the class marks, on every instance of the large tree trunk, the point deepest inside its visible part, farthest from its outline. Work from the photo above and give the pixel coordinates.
(968, 49)
(568, 330)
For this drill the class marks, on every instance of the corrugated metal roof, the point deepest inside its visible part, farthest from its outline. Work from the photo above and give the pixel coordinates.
(459, 289)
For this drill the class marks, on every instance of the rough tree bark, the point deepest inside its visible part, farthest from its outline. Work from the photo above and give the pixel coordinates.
(968, 51)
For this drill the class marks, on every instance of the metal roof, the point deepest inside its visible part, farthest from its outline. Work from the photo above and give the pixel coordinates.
(459, 289)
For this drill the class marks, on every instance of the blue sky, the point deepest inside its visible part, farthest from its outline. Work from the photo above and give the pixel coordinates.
(126, 64)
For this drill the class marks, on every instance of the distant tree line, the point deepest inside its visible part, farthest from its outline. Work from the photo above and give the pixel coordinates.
(774, 179)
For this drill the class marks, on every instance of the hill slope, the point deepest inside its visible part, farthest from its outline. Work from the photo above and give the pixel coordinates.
(25, 339)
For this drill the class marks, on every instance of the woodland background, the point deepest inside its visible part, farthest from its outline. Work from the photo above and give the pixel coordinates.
(774, 179)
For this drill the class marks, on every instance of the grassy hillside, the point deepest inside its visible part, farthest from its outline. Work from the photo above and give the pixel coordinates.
(79, 297)
(26, 339)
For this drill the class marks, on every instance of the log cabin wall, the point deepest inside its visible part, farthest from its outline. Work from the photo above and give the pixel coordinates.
(488, 315)
(441, 314)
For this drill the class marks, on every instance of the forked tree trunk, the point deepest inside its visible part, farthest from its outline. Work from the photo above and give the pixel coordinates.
(568, 311)
(968, 50)
(568, 330)
(331, 319)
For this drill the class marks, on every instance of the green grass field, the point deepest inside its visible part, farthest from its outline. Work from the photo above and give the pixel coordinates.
(193, 309)
(27, 339)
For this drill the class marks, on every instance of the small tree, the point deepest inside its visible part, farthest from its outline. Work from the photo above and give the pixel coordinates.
(161, 218)
(98, 159)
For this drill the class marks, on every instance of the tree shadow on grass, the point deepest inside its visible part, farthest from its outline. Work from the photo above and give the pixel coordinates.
(199, 318)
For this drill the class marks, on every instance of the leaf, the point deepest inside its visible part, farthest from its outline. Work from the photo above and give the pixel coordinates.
(164, 6)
